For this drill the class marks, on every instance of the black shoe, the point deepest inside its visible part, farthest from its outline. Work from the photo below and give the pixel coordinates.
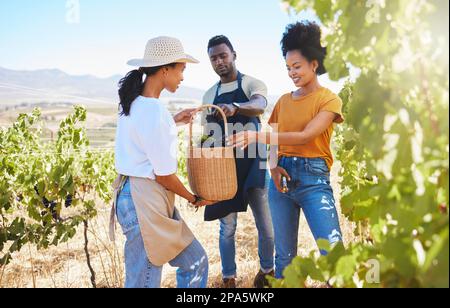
(229, 283)
(261, 281)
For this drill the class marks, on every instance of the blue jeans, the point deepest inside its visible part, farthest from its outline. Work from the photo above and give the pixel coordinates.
(227, 244)
(192, 263)
(310, 191)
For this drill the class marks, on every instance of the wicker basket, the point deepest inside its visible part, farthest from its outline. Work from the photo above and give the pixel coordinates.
(212, 171)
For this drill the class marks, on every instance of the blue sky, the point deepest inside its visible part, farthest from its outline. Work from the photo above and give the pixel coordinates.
(47, 34)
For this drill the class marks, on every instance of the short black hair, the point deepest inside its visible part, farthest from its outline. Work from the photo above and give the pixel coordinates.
(304, 36)
(218, 40)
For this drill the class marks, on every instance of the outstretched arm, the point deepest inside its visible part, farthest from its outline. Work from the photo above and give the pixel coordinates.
(173, 183)
(315, 128)
(253, 108)
(184, 116)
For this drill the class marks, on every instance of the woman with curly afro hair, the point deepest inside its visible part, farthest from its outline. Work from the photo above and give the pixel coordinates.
(300, 156)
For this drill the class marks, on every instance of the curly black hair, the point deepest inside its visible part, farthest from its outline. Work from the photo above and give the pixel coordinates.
(218, 40)
(304, 36)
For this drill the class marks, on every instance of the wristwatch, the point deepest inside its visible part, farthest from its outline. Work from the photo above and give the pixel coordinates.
(197, 199)
(237, 106)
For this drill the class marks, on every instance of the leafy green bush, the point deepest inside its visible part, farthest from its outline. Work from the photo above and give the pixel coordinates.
(394, 146)
(32, 171)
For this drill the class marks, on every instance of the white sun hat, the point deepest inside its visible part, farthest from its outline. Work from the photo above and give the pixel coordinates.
(163, 50)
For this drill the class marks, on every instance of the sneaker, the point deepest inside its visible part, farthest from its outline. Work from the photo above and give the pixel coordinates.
(261, 281)
(229, 283)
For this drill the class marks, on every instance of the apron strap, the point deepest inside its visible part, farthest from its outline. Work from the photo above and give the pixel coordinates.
(217, 90)
(118, 186)
(239, 80)
(219, 85)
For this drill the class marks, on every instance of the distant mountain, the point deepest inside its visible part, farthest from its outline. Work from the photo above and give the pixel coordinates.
(56, 86)
(185, 93)
(53, 85)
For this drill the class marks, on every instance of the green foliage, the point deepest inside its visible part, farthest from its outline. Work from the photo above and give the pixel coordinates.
(394, 146)
(182, 158)
(31, 171)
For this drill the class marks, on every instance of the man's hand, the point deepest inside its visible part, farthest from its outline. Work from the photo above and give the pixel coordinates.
(185, 116)
(203, 203)
(276, 174)
(200, 202)
(228, 109)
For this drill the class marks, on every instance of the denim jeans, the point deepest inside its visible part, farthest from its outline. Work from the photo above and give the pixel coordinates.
(192, 263)
(227, 244)
(310, 191)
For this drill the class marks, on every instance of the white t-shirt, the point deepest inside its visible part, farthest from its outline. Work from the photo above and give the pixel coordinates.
(146, 140)
(250, 85)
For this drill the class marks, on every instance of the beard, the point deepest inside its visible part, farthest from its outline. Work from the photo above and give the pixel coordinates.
(226, 71)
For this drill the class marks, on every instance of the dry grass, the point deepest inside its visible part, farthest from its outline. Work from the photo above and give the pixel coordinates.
(65, 266)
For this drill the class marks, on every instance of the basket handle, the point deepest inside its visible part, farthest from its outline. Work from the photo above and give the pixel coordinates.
(191, 123)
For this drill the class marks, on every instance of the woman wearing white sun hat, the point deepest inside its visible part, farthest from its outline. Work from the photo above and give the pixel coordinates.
(146, 161)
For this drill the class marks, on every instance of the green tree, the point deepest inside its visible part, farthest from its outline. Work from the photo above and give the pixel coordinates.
(394, 146)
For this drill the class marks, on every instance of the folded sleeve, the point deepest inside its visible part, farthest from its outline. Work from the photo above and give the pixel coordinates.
(334, 105)
(253, 86)
(274, 117)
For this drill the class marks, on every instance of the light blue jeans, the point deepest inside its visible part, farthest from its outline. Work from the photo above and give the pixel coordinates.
(227, 244)
(310, 191)
(192, 263)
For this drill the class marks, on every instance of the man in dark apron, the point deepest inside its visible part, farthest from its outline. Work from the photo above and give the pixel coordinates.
(243, 100)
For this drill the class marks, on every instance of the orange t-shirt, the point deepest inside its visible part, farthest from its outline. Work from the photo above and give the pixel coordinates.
(293, 115)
